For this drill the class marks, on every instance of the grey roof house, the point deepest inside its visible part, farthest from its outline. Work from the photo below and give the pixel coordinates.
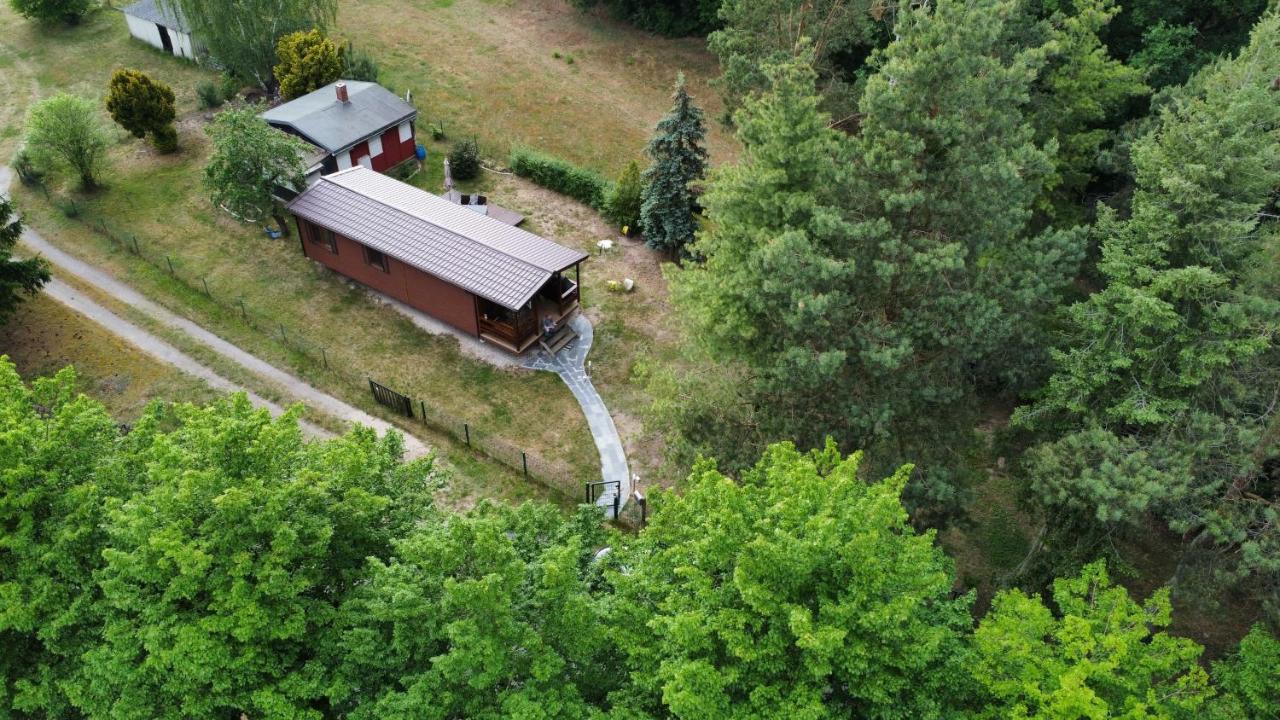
(353, 122)
(158, 25)
(479, 274)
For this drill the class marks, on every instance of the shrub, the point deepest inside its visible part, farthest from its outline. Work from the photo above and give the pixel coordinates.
(360, 65)
(464, 159)
(308, 61)
(143, 106)
(230, 86)
(436, 129)
(561, 176)
(65, 11)
(209, 94)
(27, 171)
(622, 206)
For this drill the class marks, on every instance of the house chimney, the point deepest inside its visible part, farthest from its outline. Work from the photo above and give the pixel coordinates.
(341, 89)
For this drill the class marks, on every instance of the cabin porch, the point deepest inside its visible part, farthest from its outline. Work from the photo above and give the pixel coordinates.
(550, 307)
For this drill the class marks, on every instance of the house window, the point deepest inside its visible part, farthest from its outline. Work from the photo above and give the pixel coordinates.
(375, 259)
(344, 160)
(324, 236)
(406, 131)
(375, 146)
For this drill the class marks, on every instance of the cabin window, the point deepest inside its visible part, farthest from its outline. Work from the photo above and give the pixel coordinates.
(375, 146)
(324, 236)
(406, 131)
(375, 259)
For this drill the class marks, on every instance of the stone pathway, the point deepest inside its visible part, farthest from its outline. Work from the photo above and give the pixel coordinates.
(569, 363)
(68, 265)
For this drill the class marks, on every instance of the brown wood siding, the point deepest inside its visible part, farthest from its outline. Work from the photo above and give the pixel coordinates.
(403, 282)
(438, 298)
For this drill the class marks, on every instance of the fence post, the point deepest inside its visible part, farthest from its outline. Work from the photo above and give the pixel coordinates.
(244, 315)
(170, 262)
(422, 405)
(136, 250)
(205, 282)
(466, 430)
(524, 460)
(325, 357)
(283, 336)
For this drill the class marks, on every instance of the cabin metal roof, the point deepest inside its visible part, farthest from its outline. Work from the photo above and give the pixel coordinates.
(335, 126)
(159, 13)
(484, 256)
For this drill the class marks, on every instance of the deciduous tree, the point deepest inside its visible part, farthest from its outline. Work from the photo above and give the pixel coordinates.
(1097, 654)
(250, 160)
(242, 36)
(679, 158)
(308, 60)
(799, 591)
(143, 106)
(1249, 679)
(64, 130)
(487, 614)
(223, 575)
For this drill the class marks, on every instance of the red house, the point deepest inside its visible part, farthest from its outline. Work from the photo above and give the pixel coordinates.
(353, 123)
(482, 276)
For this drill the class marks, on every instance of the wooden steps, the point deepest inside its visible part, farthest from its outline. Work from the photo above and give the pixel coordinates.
(563, 337)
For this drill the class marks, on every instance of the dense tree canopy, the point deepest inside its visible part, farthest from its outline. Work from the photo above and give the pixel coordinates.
(867, 283)
(210, 562)
(800, 591)
(1162, 399)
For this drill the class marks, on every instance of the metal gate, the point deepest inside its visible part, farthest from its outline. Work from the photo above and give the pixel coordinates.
(392, 399)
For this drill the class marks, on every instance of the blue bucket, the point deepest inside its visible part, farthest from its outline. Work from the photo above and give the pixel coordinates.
(421, 152)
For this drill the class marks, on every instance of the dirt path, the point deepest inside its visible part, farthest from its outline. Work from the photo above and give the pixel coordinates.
(161, 350)
(291, 385)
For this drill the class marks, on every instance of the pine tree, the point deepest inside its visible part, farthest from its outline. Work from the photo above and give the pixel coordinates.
(1171, 368)
(668, 210)
(867, 284)
(17, 277)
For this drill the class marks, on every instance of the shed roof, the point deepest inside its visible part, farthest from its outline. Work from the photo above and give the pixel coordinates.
(159, 13)
(475, 252)
(336, 126)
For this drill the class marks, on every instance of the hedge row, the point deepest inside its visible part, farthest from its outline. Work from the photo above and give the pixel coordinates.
(563, 177)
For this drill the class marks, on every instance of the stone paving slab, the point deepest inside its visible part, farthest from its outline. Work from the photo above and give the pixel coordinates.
(570, 364)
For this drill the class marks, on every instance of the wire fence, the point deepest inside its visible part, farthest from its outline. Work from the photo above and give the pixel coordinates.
(554, 474)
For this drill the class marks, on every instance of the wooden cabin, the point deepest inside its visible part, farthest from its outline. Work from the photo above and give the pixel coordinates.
(352, 123)
(482, 276)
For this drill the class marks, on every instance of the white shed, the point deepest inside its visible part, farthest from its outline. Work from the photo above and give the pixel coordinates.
(157, 25)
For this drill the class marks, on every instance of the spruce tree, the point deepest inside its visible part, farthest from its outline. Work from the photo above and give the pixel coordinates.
(668, 209)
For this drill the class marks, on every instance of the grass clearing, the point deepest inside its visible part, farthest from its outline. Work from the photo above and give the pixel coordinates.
(43, 336)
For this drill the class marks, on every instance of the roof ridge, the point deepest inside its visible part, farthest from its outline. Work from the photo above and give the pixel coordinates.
(436, 225)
